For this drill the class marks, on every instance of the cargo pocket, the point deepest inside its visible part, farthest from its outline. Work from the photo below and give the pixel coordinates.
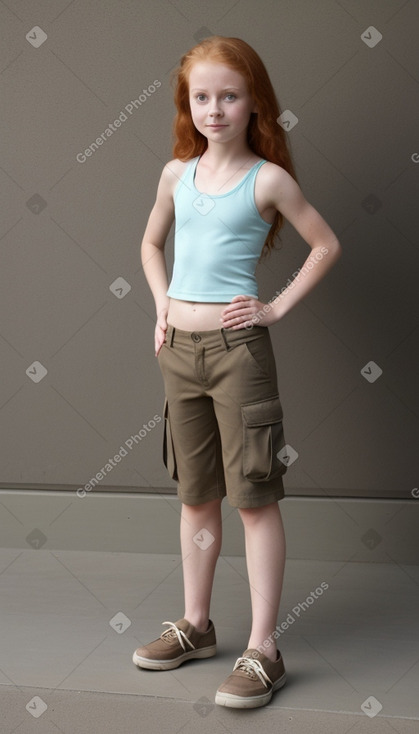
(263, 438)
(169, 457)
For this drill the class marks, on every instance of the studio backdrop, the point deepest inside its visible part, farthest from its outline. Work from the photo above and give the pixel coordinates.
(87, 110)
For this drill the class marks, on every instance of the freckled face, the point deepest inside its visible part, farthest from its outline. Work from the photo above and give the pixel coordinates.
(220, 102)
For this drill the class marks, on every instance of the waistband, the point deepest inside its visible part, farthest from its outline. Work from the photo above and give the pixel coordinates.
(225, 338)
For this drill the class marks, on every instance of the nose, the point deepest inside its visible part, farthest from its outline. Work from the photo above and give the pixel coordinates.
(215, 109)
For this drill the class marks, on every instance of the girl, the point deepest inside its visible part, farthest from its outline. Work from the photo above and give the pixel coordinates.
(229, 187)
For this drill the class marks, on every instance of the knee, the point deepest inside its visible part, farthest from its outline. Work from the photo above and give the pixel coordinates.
(206, 509)
(253, 515)
(250, 516)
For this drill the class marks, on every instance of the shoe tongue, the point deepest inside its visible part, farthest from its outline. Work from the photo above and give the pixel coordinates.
(247, 670)
(184, 625)
(251, 653)
(255, 654)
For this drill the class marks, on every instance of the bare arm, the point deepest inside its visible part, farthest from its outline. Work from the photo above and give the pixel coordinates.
(285, 195)
(152, 250)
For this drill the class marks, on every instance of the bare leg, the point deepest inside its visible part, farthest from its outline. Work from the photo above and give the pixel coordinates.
(199, 558)
(265, 557)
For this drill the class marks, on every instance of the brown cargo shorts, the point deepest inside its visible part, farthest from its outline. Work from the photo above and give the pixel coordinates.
(223, 416)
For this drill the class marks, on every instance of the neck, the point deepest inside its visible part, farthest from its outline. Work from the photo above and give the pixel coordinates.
(225, 155)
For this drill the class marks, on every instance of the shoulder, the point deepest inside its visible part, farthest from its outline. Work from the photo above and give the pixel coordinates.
(175, 167)
(172, 173)
(274, 175)
(275, 183)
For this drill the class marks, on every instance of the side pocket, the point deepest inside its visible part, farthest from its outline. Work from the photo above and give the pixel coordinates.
(169, 457)
(263, 438)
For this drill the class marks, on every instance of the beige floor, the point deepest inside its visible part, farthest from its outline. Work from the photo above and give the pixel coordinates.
(71, 620)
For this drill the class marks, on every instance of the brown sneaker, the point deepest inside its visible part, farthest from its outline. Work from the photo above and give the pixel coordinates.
(252, 682)
(175, 645)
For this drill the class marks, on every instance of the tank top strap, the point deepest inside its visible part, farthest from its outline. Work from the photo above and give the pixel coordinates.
(246, 187)
(187, 177)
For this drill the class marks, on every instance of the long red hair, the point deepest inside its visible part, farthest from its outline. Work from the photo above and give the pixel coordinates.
(265, 136)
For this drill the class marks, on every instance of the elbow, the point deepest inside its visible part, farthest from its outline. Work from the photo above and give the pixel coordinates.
(334, 250)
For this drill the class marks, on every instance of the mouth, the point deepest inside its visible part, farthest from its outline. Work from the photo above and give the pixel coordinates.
(214, 127)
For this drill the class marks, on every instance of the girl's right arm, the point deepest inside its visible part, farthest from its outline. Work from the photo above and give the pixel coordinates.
(152, 248)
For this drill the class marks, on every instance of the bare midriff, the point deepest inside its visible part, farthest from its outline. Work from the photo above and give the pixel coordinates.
(190, 316)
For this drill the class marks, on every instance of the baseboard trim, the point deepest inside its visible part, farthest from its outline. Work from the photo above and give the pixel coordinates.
(342, 529)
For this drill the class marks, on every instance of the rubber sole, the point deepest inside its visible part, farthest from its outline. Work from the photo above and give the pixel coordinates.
(249, 702)
(205, 652)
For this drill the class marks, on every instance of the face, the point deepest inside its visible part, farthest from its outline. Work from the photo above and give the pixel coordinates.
(220, 102)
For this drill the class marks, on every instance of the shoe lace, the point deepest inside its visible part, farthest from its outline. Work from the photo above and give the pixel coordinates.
(175, 631)
(253, 668)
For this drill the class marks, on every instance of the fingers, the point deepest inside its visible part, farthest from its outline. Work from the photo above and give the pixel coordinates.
(157, 346)
(237, 305)
(243, 312)
(240, 322)
(241, 298)
(159, 337)
(238, 319)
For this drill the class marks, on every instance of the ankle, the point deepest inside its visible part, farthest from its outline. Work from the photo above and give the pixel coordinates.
(272, 654)
(269, 651)
(201, 624)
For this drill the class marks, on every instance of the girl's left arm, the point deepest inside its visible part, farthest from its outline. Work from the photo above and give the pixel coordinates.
(279, 189)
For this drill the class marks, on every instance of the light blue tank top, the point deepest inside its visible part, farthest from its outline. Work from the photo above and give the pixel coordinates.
(218, 240)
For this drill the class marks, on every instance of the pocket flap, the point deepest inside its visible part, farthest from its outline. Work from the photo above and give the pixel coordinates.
(263, 413)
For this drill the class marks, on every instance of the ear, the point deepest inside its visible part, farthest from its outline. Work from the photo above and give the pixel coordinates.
(255, 108)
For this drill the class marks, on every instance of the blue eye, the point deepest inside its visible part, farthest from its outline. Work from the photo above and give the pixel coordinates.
(233, 96)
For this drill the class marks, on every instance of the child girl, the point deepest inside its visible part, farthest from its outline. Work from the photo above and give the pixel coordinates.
(229, 187)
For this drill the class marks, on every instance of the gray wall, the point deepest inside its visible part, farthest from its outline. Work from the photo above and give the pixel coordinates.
(70, 229)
